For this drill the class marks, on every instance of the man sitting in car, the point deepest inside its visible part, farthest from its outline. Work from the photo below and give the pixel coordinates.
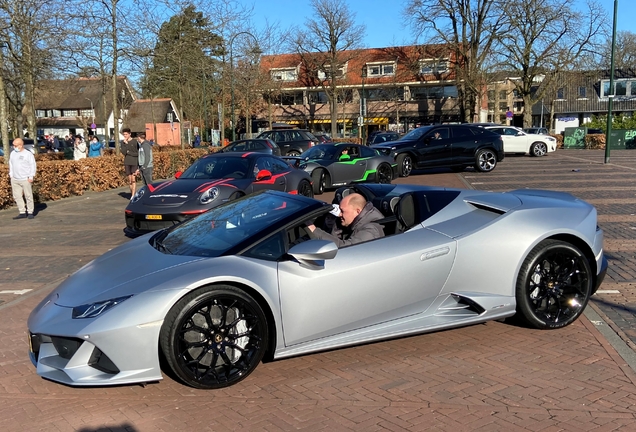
(357, 217)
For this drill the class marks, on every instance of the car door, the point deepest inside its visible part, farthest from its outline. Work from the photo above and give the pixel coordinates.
(434, 148)
(364, 285)
(278, 180)
(464, 145)
(512, 142)
(345, 171)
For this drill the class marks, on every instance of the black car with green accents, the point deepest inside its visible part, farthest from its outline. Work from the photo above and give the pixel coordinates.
(339, 164)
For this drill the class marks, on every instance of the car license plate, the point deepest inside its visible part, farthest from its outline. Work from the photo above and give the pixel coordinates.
(155, 217)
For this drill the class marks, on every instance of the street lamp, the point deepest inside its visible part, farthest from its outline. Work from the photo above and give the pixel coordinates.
(612, 90)
(93, 125)
(363, 104)
(4, 130)
(256, 50)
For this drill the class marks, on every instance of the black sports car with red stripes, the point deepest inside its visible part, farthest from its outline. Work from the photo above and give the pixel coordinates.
(208, 182)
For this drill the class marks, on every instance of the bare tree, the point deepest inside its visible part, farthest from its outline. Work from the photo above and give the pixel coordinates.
(624, 52)
(545, 37)
(325, 44)
(471, 29)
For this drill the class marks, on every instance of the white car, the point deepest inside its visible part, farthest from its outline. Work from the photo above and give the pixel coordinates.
(516, 140)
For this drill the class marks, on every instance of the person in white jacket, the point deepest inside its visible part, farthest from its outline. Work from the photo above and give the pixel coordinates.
(22, 171)
(79, 148)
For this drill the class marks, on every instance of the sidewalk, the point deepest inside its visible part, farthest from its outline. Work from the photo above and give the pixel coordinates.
(488, 377)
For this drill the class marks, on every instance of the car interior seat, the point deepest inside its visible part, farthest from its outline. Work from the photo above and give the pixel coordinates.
(406, 212)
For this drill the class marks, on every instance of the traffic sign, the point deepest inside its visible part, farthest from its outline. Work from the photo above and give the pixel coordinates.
(509, 114)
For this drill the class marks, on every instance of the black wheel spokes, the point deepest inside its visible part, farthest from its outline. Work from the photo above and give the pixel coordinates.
(561, 290)
(224, 351)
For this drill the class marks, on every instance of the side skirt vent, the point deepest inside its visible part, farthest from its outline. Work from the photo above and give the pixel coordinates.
(457, 305)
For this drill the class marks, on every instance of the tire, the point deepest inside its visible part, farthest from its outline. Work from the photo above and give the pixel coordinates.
(405, 164)
(384, 174)
(538, 149)
(554, 285)
(319, 179)
(485, 160)
(214, 337)
(293, 153)
(304, 189)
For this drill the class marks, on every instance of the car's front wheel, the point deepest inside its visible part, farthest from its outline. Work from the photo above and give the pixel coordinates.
(384, 174)
(319, 179)
(405, 164)
(554, 285)
(538, 149)
(485, 160)
(214, 337)
(304, 189)
(293, 153)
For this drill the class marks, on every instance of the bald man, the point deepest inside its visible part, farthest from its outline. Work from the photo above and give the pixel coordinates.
(357, 218)
(22, 172)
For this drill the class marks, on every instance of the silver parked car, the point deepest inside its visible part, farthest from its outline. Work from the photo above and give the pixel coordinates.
(246, 281)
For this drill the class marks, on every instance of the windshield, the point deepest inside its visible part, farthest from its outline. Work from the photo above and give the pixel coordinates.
(218, 168)
(218, 230)
(325, 151)
(417, 133)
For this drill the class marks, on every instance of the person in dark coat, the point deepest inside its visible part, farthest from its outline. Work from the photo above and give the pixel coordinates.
(130, 150)
(357, 217)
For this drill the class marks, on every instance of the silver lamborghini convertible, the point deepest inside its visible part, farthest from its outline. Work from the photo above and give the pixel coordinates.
(246, 282)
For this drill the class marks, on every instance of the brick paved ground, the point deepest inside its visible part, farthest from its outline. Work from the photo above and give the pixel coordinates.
(489, 377)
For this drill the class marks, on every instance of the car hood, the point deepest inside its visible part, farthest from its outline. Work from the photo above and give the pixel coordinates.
(397, 144)
(126, 270)
(176, 192)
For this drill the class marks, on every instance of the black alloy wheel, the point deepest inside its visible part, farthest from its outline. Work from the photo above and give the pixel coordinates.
(554, 285)
(293, 153)
(305, 189)
(485, 160)
(405, 164)
(319, 179)
(384, 174)
(214, 337)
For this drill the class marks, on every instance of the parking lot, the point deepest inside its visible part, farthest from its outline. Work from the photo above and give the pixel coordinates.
(488, 377)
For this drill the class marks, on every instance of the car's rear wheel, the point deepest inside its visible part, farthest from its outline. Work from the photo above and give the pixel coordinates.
(485, 160)
(384, 173)
(538, 149)
(304, 189)
(554, 285)
(293, 153)
(214, 337)
(405, 164)
(319, 179)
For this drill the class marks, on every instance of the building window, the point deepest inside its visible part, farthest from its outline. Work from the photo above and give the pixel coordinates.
(40, 113)
(87, 113)
(375, 70)
(432, 67)
(491, 94)
(318, 97)
(345, 96)
(621, 88)
(56, 113)
(560, 93)
(503, 106)
(582, 92)
(518, 106)
(437, 92)
(503, 94)
(69, 113)
(491, 106)
(385, 94)
(633, 88)
(515, 94)
(284, 74)
(325, 73)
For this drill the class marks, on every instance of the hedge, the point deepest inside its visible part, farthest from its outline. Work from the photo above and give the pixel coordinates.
(57, 178)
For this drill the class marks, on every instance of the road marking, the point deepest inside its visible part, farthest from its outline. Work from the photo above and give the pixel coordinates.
(608, 292)
(17, 292)
(477, 183)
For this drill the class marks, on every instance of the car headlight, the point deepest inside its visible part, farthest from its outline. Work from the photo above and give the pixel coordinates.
(138, 195)
(209, 195)
(93, 310)
(550, 139)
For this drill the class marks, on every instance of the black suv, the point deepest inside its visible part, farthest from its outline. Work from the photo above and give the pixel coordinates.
(453, 146)
(292, 142)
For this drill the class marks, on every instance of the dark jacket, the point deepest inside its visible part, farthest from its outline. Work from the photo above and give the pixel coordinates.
(130, 150)
(363, 228)
(145, 149)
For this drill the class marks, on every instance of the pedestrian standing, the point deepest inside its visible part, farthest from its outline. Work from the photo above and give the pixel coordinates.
(197, 140)
(145, 158)
(22, 171)
(95, 148)
(130, 149)
(79, 148)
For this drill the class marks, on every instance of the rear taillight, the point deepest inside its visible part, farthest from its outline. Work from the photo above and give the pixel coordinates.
(311, 143)
(268, 144)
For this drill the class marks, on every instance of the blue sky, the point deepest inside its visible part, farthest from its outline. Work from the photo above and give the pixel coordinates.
(383, 18)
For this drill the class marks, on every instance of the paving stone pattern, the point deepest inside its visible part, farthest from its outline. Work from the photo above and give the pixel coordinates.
(489, 377)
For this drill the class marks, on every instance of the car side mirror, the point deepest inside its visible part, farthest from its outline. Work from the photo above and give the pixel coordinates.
(312, 253)
(263, 175)
(178, 174)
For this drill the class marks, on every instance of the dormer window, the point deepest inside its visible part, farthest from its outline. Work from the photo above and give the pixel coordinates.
(325, 73)
(433, 66)
(380, 69)
(286, 74)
